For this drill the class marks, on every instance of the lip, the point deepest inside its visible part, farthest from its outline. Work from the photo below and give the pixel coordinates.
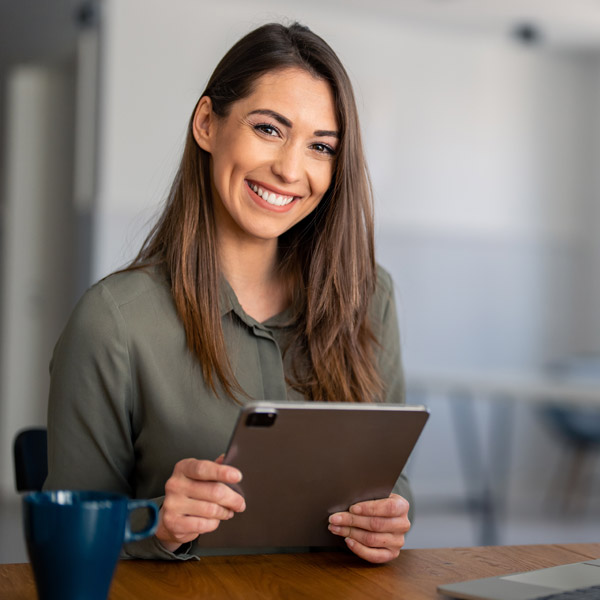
(273, 189)
(263, 203)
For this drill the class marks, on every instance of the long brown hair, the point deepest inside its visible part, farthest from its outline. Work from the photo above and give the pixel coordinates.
(329, 255)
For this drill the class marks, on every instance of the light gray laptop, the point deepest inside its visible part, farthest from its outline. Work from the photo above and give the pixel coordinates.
(576, 581)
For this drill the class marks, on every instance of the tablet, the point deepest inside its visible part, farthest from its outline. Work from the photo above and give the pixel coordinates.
(303, 461)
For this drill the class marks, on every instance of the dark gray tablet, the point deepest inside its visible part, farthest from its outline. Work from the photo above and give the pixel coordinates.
(303, 461)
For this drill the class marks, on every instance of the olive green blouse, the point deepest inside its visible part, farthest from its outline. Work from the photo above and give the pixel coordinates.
(128, 399)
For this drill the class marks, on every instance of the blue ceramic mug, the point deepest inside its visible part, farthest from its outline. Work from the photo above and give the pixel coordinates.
(74, 540)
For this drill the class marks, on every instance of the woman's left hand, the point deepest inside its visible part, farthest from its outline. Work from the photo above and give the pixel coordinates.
(375, 529)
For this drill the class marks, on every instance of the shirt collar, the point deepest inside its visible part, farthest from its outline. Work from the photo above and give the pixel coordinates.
(227, 299)
(228, 302)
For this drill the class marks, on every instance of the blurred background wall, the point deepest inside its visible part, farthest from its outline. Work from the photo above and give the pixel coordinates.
(481, 122)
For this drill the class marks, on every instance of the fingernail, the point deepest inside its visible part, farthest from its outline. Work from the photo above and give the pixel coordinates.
(349, 542)
(356, 509)
(234, 476)
(335, 529)
(337, 519)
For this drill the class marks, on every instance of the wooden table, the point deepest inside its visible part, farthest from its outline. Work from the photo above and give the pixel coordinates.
(415, 575)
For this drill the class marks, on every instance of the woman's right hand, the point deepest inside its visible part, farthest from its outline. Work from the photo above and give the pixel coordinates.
(197, 500)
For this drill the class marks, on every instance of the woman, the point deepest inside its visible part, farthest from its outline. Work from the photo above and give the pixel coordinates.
(258, 281)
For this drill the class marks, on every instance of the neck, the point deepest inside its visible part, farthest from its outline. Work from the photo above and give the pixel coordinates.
(248, 262)
(250, 267)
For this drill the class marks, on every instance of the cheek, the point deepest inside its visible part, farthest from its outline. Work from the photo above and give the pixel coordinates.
(229, 153)
(317, 199)
(322, 179)
(223, 169)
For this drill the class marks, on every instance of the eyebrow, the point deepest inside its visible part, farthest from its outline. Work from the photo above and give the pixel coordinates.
(287, 123)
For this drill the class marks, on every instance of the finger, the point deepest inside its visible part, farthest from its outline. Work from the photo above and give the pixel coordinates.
(181, 489)
(219, 460)
(198, 525)
(377, 524)
(208, 470)
(184, 529)
(370, 539)
(394, 506)
(374, 555)
(217, 493)
(203, 509)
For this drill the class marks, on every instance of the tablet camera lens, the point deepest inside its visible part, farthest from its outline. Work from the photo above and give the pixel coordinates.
(265, 419)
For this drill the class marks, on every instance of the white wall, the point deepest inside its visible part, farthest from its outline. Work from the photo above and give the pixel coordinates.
(482, 189)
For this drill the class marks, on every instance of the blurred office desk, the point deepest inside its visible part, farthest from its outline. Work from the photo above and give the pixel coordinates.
(517, 385)
(486, 481)
(415, 575)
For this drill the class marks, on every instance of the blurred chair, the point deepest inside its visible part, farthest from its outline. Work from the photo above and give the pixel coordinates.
(30, 453)
(578, 426)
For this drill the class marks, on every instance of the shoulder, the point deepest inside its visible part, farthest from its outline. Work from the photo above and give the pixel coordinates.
(132, 287)
(121, 299)
(384, 282)
(384, 291)
(382, 309)
(125, 291)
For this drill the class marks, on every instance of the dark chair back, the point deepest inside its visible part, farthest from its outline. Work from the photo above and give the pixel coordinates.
(30, 452)
(577, 425)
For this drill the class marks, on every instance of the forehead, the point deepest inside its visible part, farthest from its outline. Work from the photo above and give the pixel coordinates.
(297, 95)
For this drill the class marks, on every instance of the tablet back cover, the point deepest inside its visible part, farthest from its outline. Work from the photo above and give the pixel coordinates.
(313, 460)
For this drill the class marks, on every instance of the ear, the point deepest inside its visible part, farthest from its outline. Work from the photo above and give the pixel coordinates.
(204, 123)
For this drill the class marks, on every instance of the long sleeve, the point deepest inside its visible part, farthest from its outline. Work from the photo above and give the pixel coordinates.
(91, 403)
(387, 333)
(90, 400)
(390, 361)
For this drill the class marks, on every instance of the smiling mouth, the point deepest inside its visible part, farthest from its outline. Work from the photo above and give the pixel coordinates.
(269, 196)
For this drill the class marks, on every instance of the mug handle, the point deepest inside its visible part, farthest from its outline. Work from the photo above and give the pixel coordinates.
(134, 536)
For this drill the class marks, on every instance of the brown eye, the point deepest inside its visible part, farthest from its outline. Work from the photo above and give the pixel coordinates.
(267, 129)
(324, 149)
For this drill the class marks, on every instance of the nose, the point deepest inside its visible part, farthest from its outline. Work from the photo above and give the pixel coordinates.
(288, 163)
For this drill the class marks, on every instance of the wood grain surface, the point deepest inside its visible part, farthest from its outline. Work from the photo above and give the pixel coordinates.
(415, 575)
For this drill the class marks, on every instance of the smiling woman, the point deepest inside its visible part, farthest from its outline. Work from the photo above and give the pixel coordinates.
(258, 282)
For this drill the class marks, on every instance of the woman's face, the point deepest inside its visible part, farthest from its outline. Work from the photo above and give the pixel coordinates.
(273, 155)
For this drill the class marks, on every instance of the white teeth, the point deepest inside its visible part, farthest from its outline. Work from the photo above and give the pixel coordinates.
(270, 197)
